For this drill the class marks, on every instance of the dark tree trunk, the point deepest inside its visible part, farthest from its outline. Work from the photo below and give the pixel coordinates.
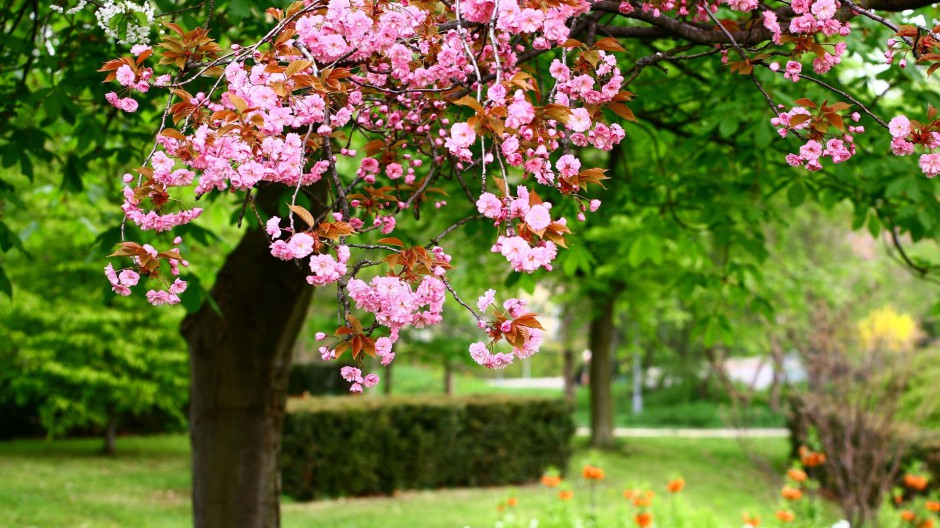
(602, 405)
(239, 365)
(110, 435)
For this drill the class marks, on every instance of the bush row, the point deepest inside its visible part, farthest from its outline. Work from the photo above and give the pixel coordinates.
(365, 446)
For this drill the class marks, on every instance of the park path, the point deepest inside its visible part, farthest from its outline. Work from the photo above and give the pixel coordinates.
(648, 432)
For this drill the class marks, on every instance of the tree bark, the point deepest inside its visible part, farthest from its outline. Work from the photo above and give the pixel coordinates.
(602, 404)
(239, 365)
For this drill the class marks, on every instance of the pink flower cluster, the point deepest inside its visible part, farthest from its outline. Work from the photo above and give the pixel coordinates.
(486, 355)
(521, 254)
(123, 282)
(905, 135)
(838, 148)
(817, 16)
(354, 376)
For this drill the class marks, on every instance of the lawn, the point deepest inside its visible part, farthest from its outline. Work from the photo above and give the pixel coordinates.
(66, 484)
(675, 406)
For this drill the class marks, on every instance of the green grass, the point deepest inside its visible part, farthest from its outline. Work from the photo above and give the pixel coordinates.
(66, 484)
(669, 407)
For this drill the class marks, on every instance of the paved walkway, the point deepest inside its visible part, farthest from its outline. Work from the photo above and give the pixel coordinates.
(644, 432)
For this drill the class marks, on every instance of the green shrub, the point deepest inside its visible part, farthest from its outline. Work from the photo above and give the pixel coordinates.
(364, 446)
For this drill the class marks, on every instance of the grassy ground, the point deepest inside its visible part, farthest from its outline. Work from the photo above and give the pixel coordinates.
(66, 484)
(670, 407)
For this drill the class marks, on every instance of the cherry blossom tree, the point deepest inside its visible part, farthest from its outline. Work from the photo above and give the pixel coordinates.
(346, 117)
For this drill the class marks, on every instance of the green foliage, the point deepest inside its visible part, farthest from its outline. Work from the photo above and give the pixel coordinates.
(80, 367)
(363, 446)
(316, 379)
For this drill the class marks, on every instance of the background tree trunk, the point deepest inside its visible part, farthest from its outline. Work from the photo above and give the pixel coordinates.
(568, 371)
(602, 405)
(239, 365)
(448, 377)
(110, 434)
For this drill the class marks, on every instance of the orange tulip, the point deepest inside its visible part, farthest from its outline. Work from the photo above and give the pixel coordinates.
(551, 481)
(915, 482)
(908, 515)
(565, 495)
(785, 516)
(630, 494)
(750, 521)
(797, 474)
(675, 486)
(643, 519)
(933, 506)
(512, 501)
(926, 524)
(791, 493)
(592, 472)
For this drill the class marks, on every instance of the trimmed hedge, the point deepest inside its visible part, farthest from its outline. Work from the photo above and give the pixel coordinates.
(365, 446)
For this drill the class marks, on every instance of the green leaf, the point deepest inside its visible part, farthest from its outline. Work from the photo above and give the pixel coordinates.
(5, 285)
(796, 194)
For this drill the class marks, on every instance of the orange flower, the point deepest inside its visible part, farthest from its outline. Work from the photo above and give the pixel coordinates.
(643, 519)
(926, 524)
(797, 474)
(915, 482)
(898, 499)
(791, 493)
(811, 458)
(630, 494)
(908, 515)
(551, 480)
(645, 500)
(750, 521)
(512, 501)
(592, 472)
(675, 486)
(786, 516)
(565, 495)
(933, 506)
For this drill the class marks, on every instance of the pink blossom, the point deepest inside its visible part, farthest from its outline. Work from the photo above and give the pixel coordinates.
(125, 76)
(326, 354)
(930, 164)
(273, 227)
(538, 217)
(129, 278)
(489, 205)
(394, 171)
(485, 300)
(793, 71)
(899, 127)
(301, 245)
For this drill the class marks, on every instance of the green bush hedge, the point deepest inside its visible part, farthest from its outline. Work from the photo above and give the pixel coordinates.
(365, 446)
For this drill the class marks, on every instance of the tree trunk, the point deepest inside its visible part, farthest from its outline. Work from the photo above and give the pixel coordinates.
(239, 366)
(387, 381)
(448, 377)
(110, 435)
(567, 371)
(602, 405)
